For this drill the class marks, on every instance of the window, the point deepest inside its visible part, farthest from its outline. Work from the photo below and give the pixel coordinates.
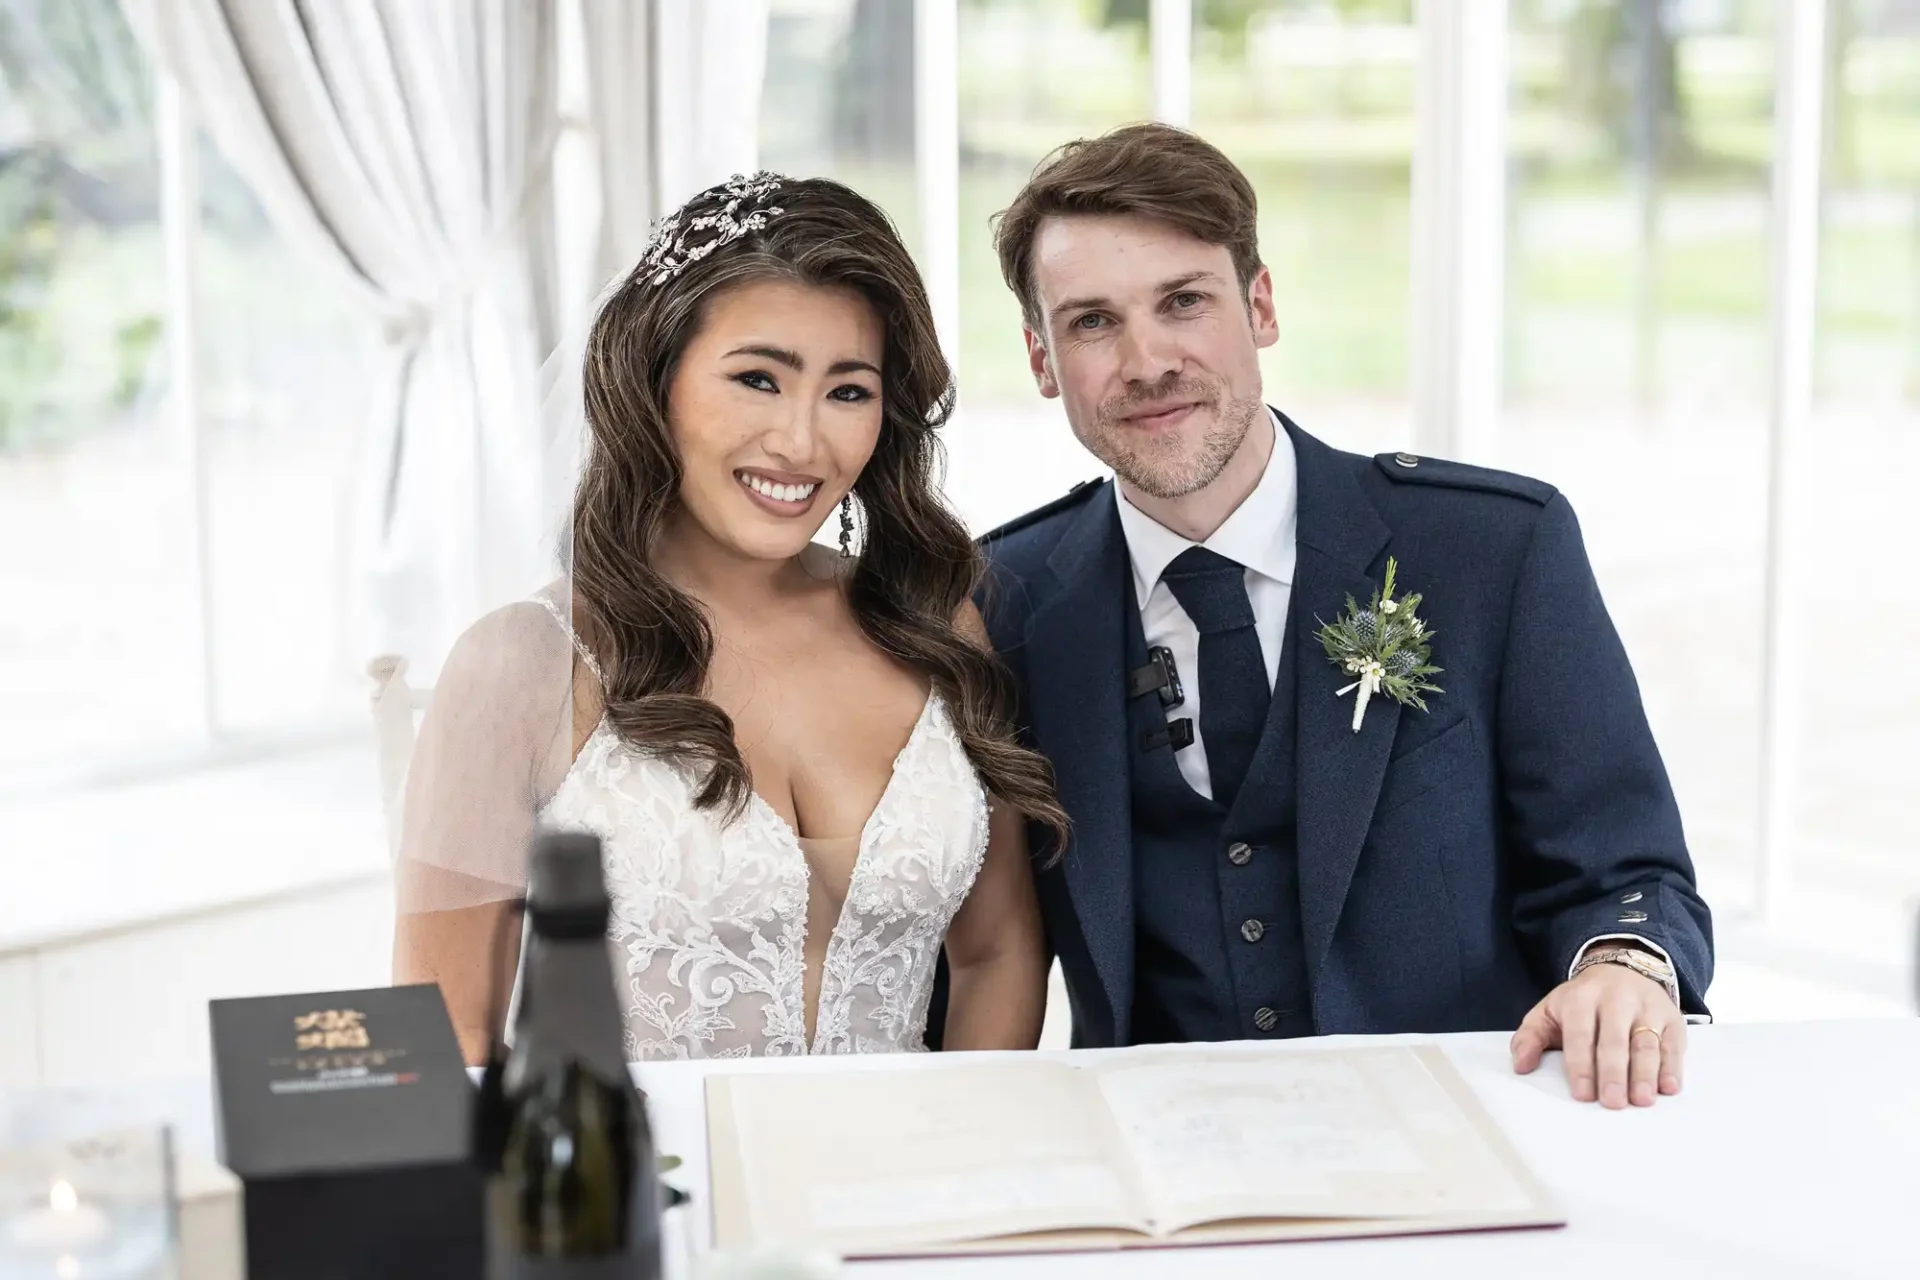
(1033, 74)
(1317, 106)
(1857, 832)
(837, 101)
(99, 647)
(1638, 221)
(171, 546)
(284, 368)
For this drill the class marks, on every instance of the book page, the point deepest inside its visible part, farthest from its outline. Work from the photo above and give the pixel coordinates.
(863, 1160)
(1368, 1133)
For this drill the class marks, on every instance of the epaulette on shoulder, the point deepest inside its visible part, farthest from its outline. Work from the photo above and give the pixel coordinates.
(1066, 502)
(1407, 468)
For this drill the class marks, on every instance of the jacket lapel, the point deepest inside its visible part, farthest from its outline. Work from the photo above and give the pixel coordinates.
(1338, 772)
(1078, 703)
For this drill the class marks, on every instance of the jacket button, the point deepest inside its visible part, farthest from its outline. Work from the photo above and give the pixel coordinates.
(1253, 931)
(1265, 1019)
(1239, 854)
(1406, 459)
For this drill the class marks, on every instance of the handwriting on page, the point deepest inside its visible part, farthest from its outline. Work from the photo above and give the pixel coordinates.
(1276, 1127)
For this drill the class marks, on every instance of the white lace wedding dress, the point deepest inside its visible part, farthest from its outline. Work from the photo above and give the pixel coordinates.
(709, 919)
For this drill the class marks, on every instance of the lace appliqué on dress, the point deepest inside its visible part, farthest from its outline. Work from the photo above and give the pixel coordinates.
(709, 919)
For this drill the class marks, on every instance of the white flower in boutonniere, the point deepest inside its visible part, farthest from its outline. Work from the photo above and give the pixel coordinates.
(1386, 646)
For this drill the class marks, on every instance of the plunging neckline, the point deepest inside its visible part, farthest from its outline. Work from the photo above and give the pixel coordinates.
(893, 773)
(788, 840)
(793, 840)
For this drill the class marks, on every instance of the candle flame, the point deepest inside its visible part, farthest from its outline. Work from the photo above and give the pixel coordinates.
(63, 1198)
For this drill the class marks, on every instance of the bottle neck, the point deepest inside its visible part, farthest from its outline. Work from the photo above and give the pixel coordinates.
(568, 1010)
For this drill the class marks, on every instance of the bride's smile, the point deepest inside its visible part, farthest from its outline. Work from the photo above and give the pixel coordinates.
(783, 496)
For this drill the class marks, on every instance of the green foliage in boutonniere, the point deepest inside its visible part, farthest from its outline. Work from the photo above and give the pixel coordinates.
(1385, 646)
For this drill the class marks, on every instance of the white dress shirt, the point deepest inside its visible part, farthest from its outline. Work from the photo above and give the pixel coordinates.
(1261, 535)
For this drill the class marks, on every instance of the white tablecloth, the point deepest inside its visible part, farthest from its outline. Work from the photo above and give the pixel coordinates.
(1794, 1151)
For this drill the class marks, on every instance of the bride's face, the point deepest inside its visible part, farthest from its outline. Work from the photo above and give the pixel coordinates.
(775, 408)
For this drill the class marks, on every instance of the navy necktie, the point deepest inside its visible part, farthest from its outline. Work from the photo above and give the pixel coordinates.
(1233, 675)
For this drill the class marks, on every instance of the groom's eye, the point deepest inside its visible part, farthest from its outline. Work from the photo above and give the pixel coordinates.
(1091, 320)
(1185, 301)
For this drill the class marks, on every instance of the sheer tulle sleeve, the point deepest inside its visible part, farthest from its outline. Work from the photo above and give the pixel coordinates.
(496, 740)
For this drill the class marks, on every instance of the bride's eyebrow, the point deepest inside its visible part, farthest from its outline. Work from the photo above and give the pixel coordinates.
(793, 360)
(779, 355)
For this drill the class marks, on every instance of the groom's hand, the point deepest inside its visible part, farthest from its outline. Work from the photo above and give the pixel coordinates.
(1622, 1036)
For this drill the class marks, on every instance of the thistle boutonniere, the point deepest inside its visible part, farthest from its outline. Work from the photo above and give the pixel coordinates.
(1385, 645)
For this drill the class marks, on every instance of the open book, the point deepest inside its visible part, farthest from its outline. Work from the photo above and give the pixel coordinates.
(1187, 1146)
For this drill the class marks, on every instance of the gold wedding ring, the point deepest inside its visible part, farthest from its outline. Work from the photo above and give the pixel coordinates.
(1652, 1031)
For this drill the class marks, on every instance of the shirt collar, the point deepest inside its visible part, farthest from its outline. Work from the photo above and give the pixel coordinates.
(1258, 534)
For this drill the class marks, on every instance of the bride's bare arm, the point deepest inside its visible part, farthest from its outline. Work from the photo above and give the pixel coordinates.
(454, 948)
(486, 748)
(996, 955)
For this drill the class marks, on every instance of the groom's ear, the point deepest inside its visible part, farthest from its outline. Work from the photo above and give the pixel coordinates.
(1260, 309)
(1041, 363)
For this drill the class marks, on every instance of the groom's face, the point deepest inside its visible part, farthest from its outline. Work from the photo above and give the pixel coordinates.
(1151, 344)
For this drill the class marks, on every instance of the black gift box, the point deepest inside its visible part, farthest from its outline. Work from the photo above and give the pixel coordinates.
(348, 1118)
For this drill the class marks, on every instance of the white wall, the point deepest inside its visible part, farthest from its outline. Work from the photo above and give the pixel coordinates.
(133, 1005)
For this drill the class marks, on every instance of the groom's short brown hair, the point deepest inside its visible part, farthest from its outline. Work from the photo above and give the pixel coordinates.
(1141, 170)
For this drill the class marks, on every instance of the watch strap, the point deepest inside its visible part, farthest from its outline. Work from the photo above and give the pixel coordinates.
(1646, 965)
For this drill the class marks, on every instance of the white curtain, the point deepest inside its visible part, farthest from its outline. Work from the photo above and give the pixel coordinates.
(405, 146)
(694, 123)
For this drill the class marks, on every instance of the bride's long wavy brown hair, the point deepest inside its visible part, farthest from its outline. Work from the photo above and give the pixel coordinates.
(916, 567)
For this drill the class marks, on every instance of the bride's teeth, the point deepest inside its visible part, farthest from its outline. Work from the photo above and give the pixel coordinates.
(779, 492)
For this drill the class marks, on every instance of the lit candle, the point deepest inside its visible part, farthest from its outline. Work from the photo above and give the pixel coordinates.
(64, 1226)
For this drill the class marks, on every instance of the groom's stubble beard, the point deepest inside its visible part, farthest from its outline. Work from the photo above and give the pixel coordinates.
(1174, 465)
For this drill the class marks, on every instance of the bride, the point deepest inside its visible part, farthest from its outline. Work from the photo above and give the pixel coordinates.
(801, 763)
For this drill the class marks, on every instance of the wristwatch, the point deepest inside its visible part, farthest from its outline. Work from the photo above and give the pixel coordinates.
(1644, 963)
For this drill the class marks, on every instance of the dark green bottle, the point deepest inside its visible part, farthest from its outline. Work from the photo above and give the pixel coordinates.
(574, 1193)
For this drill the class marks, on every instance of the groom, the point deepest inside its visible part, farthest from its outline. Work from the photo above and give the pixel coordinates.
(1246, 864)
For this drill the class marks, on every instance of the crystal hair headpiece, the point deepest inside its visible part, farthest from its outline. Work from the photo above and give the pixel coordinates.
(679, 240)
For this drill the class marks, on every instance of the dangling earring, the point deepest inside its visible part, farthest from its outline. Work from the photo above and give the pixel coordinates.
(846, 527)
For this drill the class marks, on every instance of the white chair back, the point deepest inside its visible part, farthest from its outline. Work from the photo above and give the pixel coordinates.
(396, 708)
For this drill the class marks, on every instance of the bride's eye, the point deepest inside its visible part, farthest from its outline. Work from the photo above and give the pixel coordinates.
(757, 380)
(852, 393)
